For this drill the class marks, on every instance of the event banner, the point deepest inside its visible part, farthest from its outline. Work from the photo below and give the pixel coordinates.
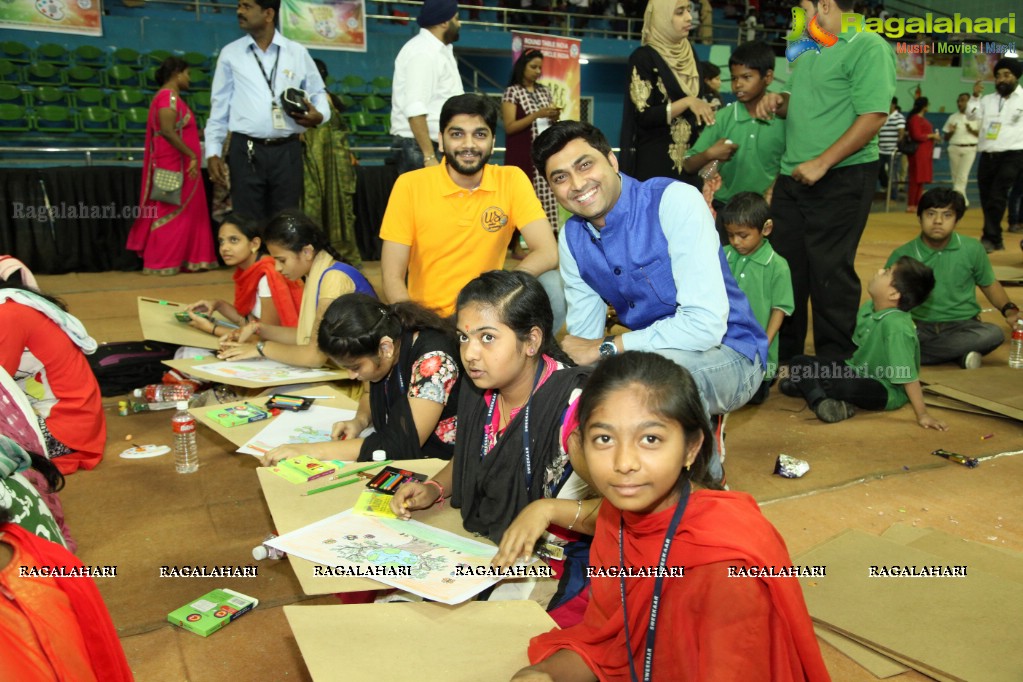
(979, 66)
(325, 24)
(56, 16)
(560, 67)
(910, 66)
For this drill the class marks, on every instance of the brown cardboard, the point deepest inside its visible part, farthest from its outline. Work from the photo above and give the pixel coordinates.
(935, 400)
(1008, 274)
(291, 510)
(878, 664)
(992, 388)
(158, 324)
(188, 366)
(422, 641)
(950, 627)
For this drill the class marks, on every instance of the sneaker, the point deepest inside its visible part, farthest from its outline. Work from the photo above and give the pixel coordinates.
(971, 360)
(990, 246)
(830, 410)
(788, 387)
(1016, 227)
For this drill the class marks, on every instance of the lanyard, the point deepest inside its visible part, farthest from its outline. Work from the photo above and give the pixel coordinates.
(273, 73)
(387, 389)
(648, 658)
(485, 445)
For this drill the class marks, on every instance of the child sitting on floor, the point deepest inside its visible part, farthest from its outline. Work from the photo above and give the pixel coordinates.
(645, 440)
(883, 373)
(948, 323)
(762, 274)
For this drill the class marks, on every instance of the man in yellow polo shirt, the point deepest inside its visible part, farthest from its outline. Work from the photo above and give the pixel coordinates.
(446, 224)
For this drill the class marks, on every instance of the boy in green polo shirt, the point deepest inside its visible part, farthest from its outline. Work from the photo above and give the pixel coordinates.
(761, 273)
(883, 373)
(748, 149)
(948, 323)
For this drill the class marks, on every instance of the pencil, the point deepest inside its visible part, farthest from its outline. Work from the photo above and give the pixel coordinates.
(332, 486)
(345, 473)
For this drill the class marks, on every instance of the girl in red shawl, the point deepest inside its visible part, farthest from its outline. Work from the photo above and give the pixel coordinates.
(260, 292)
(644, 439)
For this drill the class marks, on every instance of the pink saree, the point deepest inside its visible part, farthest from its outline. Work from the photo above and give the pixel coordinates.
(172, 238)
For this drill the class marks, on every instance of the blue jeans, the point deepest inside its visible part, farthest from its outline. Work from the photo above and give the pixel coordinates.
(406, 154)
(727, 380)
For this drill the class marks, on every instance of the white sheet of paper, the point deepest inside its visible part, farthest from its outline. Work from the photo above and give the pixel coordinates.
(307, 426)
(262, 371)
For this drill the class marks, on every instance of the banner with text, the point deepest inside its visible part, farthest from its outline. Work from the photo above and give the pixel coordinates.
(83, 17)
(560, 67)
(325, 24)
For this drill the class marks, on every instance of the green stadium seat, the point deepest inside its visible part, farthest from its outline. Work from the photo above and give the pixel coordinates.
(90, 97)
(156, 57)
(198, 79)
(128, 98)
(12, 94)
(374, 103)
(84, 77)
(54, 119)
(200, 102)
(13, 118)
(47, 94)
(353, 83)
(381, 84)
(15, 52)
(9, 72)
(44, 74)
(347, 101)
(98, 119)
(148, 77)
(125, 56)
(52, 53)
(91, 56)
(122, 76)
(134, 121)
(196, 59)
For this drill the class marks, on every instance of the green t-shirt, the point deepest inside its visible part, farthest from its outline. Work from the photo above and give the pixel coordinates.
(887, 350)
(829, 89)
(28, 509)
(756, 162)
(958, 268)
(765, 278)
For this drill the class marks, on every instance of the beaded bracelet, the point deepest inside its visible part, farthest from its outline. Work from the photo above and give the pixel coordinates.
(578, 509)
(440, 498)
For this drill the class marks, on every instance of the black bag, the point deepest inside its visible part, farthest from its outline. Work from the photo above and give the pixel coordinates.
(122, 367)
(907, 145)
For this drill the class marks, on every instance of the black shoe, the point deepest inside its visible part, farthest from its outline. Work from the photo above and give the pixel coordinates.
(761, 394)
(1016, 228)
(991, 246)
(830, 410)
(788, 387)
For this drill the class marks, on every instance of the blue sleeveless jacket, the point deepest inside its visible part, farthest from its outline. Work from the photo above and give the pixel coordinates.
(631, 269)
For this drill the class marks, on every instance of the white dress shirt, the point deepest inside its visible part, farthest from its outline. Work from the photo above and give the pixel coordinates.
(963, 125)
(425, 76)
(241, 101)
(1001, 120)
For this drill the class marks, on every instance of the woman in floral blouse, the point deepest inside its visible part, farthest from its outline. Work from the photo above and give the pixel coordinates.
(409, 356)
(664, 112)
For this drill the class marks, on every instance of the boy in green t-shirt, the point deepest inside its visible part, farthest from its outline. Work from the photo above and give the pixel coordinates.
(761, 273)
(748, 149)
(883, 373)
(948, 323)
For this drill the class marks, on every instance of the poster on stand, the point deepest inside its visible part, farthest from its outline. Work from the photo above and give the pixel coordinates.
(325, 24)
(560, 67)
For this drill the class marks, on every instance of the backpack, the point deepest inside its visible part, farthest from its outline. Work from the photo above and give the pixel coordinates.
(121, 367)
(907, 145)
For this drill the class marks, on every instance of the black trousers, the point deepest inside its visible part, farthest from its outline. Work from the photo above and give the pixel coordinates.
(819, 378)
(996, 174)
(817, 230)
(266, 181)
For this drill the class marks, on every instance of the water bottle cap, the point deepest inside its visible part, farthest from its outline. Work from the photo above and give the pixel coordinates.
(260, 552)
(379, 455)
(182, 405)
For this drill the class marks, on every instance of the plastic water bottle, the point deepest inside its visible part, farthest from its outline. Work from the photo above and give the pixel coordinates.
(186, 452)
(710, 170)
(1016, 349)
(162, 393)
(264, 551)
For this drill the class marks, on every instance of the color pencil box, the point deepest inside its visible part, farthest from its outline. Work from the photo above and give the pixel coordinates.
(303, 468)
(293, 403)
(238, 415)
(391, 478)
(212, 611)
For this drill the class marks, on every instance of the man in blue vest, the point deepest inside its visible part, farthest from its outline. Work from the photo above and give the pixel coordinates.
(650, 250)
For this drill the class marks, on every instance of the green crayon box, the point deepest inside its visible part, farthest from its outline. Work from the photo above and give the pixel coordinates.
(212, 611)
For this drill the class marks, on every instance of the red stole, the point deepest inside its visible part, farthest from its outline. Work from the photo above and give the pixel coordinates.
(286, 295)
(710, 626)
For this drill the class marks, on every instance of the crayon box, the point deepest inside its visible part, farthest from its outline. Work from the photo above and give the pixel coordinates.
(238, 415)
(303, 469)
(212, 611)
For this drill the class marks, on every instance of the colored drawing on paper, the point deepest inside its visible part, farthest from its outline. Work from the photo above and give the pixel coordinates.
(309, 426)
(429, 554)
(261, 371)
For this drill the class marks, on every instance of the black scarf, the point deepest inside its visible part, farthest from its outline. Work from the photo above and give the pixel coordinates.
(492, 491)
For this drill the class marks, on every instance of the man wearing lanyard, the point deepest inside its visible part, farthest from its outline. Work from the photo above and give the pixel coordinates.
(425, 76)
(265, 154)
(1000, 145)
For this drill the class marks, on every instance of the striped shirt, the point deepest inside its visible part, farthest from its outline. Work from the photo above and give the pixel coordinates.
(888, 136)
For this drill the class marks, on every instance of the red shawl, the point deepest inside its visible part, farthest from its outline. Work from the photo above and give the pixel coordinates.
(286, 295)
(710, 626)
(102, 645)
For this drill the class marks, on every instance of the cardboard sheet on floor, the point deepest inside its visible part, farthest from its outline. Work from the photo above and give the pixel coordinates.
(997, 561)
(466, 643)
(948, 627)
(189, 367)
(1008, 274)
(158, 324)
(935, 400)
(877, 664)
(991, 388)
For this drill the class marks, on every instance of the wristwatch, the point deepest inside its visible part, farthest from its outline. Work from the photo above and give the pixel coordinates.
(607, 347)
(1009, 306)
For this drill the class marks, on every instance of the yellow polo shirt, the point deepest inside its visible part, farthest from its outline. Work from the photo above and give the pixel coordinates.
(454, 233)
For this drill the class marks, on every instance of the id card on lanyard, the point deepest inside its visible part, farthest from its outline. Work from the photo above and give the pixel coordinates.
(276, 112)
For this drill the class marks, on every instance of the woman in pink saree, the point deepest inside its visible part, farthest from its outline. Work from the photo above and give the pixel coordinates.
(171, 237)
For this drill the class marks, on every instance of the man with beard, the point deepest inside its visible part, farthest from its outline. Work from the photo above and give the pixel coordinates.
(425, 76)
(446, 224)
(1000, 145)
(265, 155)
